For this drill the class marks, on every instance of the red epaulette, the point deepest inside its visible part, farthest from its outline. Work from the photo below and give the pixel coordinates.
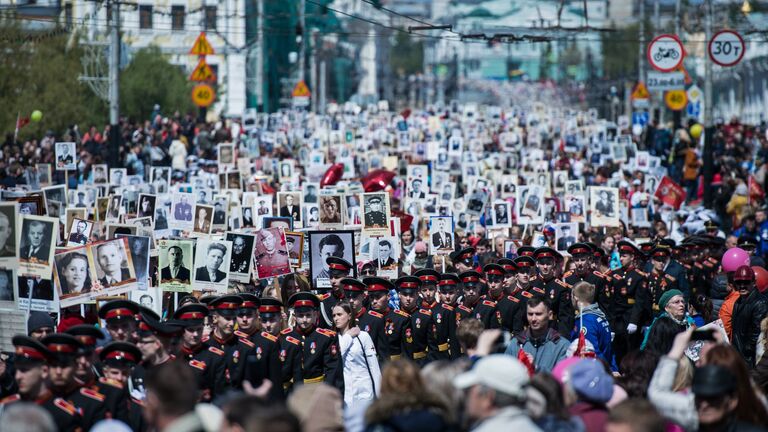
(206, 339)
(489, 303)
(269, 336)
(426, 311)
(538, 290)
(65, 406)
(514, 299)
(672, 278)
(600, 275)
(11, 398)
(240, 334)
(448, 307)
(138, 402)
(617, 276)
(642, 273)
(713, 260)
(326, 332)
(375, 314)
(567, 274)
(197, 364)
(245, 341)
(111, 382)
(323, 297)
(286, 330)
(216, 351)
(527, 294)
(698, 265)
(402, 313)
(562, 284)
(93, 394)
(464, 308)
(687, 266)
(708, 264)
(293, 340)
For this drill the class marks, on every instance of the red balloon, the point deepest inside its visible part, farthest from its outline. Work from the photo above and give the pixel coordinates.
(761, 278)
(406, 113)
(405, 220)
(333, 175)
(377, 180)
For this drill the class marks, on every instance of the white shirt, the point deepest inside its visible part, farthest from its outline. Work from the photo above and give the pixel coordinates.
(357, 380)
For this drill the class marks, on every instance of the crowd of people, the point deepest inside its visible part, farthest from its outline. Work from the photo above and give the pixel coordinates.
(450, 269)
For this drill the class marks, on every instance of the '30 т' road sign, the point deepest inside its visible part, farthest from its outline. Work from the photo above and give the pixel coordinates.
(726, 48)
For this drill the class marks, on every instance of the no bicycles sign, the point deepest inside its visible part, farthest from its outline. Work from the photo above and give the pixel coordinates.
(665, 53)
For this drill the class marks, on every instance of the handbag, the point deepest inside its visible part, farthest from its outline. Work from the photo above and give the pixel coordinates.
(368, 367)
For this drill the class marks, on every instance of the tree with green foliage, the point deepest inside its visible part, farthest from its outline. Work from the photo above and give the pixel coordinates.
(408, 55)
(151, 79)
(40, 72)
(620, 49)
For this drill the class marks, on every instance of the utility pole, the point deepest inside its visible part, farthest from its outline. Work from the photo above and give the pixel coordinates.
(302, 43)
(313, 69)
(260, 56)
(641, 49)
(709, 128)
(321, 93)
(114, 85)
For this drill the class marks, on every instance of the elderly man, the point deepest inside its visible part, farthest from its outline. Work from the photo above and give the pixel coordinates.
(38, 245)
(110, 259)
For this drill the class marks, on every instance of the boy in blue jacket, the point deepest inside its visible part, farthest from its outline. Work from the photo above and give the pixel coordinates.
(591, 320)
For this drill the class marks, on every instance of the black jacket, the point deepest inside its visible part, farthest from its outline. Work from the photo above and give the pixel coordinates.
(747, 314)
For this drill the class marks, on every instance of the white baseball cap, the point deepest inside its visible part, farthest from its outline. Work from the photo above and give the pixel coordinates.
(500, 372)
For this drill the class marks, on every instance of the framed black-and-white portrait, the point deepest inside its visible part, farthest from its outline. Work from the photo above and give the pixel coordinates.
(502, 214)
(175, 260)
(212, 259)
(226, 155)
(118, 176)
(330, 211)
(376, 213)
(182, 211)
(57, 194)
(36, 242)
(138, 247)
(295, 246)
(8, 226)
(530, 204)
(79, 232)
(240, 265)
(203, 221)
(441, 239)
(324, 244)
(604, 206)
(289, 205)
(31, 205)
(66, 156)
(566, 234)
(100, 174)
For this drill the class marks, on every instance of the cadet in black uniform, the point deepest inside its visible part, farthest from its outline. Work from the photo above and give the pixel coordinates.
(116, 395)
(338, 269)
(557, 291)
(473, 305)
(463, 260)
(583, 271)
(91, 404)
(510, 271)
(428, 289)
(397, 324)
(369, 321)
(422, 334)
(508, 306)
(208, 364)
(263, 359)
(290, 353)
(659, 282)
(117, 361)
(446, 319)
(629, 292)
(320, 346)
(234, 349)
(120, 316)
(30, 357)
(155, 343)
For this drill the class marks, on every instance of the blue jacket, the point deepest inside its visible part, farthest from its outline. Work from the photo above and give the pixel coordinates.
(546, 352)
(597, 332)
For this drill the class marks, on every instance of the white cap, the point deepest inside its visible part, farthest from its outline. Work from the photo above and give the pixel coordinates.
(500, 372)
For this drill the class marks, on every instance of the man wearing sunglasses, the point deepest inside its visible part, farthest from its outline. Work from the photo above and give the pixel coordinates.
(748, 311)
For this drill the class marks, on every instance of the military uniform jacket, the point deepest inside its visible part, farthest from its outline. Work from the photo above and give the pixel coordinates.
(235, 352)
(679, 276)
(485, 311)
(327, 302)
(320, 357)
(209, 365)
(444, 318)
(559, 293)
(372, 323)
(397, 327)
(65, 415)
(116, 397)
(629, 291)
(290, 359)
(508, 307)
(423, 334)
(602, 288)
(90, 403)
(263, 361)
(658, 284)
(136, 381)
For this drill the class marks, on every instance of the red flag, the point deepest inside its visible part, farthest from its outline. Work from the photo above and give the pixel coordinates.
(756, 191)
(523, 357)
(670, 193)
(21, 122)
(581, 346)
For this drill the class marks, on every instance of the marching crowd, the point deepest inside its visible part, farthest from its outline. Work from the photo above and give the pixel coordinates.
(651, 324)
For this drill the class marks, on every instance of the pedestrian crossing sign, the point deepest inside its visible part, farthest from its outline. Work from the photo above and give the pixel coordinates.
(201, 46)
(202, 72)
(640, 91)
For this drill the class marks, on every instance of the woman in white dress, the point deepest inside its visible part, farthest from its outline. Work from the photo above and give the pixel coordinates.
(362, 376)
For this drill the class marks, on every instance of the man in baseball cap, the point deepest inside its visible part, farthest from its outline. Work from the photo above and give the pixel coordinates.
(496, 394)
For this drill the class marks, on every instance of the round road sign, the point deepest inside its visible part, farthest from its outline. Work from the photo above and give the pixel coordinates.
(676, 99)
(203, 95)
(726, 48)
(665, 53)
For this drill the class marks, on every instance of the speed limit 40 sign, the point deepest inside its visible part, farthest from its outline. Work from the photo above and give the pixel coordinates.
(726, 48)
